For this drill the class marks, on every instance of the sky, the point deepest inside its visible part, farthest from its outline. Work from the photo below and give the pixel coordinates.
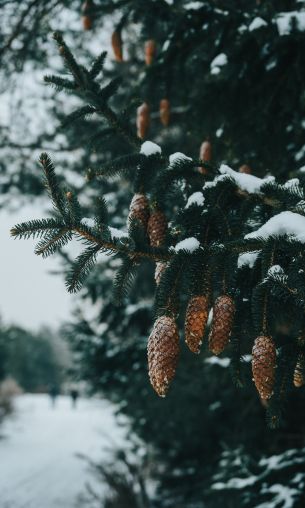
(30, 295)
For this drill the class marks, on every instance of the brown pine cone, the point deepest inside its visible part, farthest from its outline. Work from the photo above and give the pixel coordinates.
(86, 18)
(143, 119)
(117, 46)
(298, 375)
(245, 169)
(150, 51)
(157, 228)
(196, 317)
(139, 209)
(163, 353)
(205, 154)
(223, 316)
(263, 365)
(165, 112)
(159, 270)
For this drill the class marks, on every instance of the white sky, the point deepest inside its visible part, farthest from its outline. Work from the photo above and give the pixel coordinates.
(29, 294)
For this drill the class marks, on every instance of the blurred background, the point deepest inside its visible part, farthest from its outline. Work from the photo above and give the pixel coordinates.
(79, 423)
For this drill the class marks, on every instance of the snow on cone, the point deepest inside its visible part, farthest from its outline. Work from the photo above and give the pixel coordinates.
(223, 317)
(159, 270)
(157, 228)
(298, 375)
(139, 209)
(163, 353)
(196, 317)
(263, 365)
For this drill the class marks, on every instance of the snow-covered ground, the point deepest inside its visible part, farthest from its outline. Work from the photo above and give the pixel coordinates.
(38, 463)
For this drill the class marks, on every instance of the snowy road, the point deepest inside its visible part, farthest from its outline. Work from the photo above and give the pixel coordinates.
(38, 463)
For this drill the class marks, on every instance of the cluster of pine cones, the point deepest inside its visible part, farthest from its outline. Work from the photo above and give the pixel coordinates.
(163, 342)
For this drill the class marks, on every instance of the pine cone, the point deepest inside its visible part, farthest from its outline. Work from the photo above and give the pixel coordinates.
(143, 119)
(117, 45)
(86, 18)
(245, 169)
(163, 353)
(263, 365)
(165, 112)
(159, 270)
(223, 316)
(205, 154)
(139, 209)
(197, 313)
(298, 375)
(157, 228)
(150, 51)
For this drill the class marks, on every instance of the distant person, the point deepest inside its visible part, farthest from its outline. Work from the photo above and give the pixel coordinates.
(74, 396)
(53, 392)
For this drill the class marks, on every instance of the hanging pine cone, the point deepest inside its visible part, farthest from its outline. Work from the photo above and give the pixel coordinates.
(86, 17)
(117, 45)
(245, 169)
(205, 154)
(263, 365)
(150, 51)
(223, 316)
(163, 353)
(165, 112)
(196, 317)
(157, 228)
(143, 119)
(159, 270)
(139, 209)
(298, 375)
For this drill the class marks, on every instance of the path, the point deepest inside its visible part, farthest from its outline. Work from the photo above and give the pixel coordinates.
(38, 463)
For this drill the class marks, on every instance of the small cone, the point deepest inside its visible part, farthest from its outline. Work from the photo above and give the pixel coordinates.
(298, 375)
(223, 316)
(197, 313)
(139, 209)
(263, 365)
(157, 228)
(245, 169)
(205, 154)
(117, 46)
(150, 51)
(163, 354)
(159, 270)
(143, 120)
(86, 18)
(165, 112)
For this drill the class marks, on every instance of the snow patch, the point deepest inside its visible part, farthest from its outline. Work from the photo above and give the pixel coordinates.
(284, 22)
(178, 156)
(117, 233)
(188, 244)
(247, 259)
(248, 183)
(221, 362)
(256, 24)
(219, 61)
(149, 148)
(87, 221)
(284, 223)
(196, 198)
(275, 270)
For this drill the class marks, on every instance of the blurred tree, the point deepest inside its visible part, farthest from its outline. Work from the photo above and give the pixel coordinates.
(31, 359)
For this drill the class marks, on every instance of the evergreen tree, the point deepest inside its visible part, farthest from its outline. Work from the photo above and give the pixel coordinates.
(234, 241)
